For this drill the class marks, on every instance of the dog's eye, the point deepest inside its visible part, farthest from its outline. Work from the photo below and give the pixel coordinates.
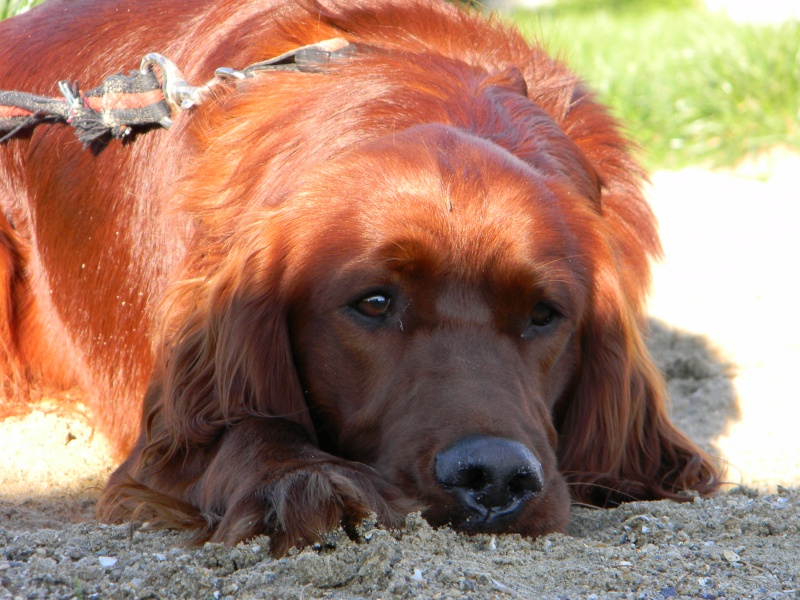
(373, 306)
(542, 315)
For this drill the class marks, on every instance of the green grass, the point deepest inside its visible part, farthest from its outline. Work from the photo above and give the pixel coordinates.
(691, 87)
(12, 7)
(561, 7)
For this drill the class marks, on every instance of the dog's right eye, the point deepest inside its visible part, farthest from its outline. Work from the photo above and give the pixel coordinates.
(373, 306)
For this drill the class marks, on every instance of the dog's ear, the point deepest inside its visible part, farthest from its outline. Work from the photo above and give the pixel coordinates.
(225, 355)
(616, 441)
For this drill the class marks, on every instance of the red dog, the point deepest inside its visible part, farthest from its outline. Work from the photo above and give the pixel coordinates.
(409, 275)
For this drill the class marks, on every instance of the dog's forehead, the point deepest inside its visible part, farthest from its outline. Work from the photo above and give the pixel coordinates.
(441, 203)
(471, 199)
(441, 176)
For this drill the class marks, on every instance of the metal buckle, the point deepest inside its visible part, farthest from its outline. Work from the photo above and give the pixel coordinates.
(178, 92)
(181, 95)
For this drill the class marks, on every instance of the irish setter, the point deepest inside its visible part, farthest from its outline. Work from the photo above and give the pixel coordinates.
(410, 278)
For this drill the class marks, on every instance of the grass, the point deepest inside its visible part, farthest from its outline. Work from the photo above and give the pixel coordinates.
(13, 7)
(691, 87)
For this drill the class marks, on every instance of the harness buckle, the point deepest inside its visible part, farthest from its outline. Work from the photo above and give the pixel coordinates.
(181, 95)
(178, 92)
(228, 73)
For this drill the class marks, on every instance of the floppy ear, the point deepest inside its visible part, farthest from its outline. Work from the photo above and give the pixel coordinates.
(225, 356)
(616, 441)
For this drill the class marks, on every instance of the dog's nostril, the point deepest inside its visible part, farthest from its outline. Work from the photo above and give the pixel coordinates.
(472, 478)
(490, 476)
(526, 482)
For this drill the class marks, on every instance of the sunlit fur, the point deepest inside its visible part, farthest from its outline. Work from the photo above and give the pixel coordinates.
(198, 283)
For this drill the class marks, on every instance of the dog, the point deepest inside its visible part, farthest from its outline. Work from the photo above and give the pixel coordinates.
(390, 257)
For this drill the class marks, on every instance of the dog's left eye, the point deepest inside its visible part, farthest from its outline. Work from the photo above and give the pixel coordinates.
(543, 315)
(373, 306)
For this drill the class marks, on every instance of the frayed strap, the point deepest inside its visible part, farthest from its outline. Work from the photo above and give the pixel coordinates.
(120, 103)
(139, 99)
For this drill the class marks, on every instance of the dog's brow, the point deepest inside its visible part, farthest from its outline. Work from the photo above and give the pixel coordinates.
(463, 303)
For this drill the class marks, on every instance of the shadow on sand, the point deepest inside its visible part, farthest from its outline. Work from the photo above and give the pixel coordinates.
(700, 382)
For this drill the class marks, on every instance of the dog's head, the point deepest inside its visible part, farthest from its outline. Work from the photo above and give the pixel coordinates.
(456, 302)
(437, 286)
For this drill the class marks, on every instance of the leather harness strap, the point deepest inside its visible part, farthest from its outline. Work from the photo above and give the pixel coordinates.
(140, 99)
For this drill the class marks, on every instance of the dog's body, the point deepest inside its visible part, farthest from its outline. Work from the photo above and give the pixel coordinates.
(334, 289)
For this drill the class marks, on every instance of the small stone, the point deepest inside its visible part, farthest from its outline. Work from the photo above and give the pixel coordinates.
(668, 592)
(731, 556)
(107, 561)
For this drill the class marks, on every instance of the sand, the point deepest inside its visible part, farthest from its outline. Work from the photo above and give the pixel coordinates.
(725, 330)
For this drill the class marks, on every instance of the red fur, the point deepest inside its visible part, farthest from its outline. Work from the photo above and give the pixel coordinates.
(199, 283)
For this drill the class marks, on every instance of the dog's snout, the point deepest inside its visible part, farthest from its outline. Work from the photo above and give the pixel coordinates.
(491, 477)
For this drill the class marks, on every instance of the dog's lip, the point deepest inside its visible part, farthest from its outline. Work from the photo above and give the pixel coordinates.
(480, 519)
(494, 515)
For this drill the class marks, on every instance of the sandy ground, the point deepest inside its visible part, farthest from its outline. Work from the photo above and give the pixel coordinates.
(732, 275)
(726, 331)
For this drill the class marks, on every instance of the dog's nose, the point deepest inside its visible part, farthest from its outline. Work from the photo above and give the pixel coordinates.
(491, 477)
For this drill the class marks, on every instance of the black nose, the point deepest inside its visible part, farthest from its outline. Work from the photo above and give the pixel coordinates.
(491, 477)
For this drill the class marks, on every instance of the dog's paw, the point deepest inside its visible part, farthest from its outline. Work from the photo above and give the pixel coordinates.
(298, 507)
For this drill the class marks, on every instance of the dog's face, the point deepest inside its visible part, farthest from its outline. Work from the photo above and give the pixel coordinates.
(434, 323)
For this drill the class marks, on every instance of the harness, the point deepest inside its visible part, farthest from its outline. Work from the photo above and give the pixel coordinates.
(140, 100)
